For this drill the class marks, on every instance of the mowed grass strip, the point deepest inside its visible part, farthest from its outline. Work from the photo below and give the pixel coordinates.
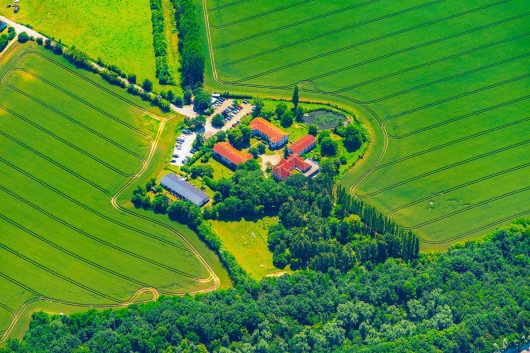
(64, 155)
(448, 79)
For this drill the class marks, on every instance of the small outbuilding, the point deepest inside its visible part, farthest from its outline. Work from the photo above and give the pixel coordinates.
(303, 145)
(181, 188)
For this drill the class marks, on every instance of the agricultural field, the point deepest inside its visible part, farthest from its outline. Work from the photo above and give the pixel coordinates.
(443, 86)
(72, 148)
(92, 27)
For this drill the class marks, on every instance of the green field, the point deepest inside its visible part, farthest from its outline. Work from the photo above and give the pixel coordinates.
(72, 149)
(118, 31)
(247, 241)
(443, 87)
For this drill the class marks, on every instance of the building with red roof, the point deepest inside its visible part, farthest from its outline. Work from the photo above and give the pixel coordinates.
(285, 168)
(303, 145)
(275, 136)
(229, 155)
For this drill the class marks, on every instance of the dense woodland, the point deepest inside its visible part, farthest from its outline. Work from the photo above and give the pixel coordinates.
(470, 299)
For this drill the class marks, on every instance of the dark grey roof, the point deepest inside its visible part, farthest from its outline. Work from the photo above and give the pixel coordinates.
(183, 188)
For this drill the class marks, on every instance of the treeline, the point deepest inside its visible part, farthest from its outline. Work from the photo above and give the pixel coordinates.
(190, 45)
(6, 38)
(163, 72)
(474, 298)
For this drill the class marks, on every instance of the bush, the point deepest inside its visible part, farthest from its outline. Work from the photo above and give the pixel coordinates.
(23, 37)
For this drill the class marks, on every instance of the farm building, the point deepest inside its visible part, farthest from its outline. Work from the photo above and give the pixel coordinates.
(229, 155)
(183, 189)
(303, 145)
(275, 136)
(285, 168)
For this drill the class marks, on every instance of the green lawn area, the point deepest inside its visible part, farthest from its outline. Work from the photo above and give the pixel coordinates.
(70, 142)
(118, 31)
(442, 86)
(247, 241)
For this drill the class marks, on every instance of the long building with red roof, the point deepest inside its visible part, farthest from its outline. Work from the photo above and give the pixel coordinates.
(229, 155)
(303, 145)
(275, 136)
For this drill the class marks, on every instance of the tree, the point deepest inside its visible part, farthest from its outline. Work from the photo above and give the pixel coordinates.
(218, 121)
(199, 141)
(40, 41)
(202, 101)
(299, 114)
(221, 136)
(188, 94)
(328, 147)
(261, 148)
(353, 138)
(296, 97)
(160, 203)
(147, 85)
(131, 78)
(287, 119)
(58, 48)
(281, 108)
(258, 106)
(23, 37)
(254, 152)
(313, 130)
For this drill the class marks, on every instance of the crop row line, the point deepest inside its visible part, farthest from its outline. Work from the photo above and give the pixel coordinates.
(460, 117)
(460, 186)
(447, 167)
(88, 235)
(456, 97)
(74, 255)
(386, 36)
(449, 78)
(57, 274)
(452, 143)
(432, 62)
(262, 14)
(89, 81)
(90, 209)
(74, 121)
(230, 4)
(85, 102)
(465, 209)
(328, 33)
(52, 161)
(478, 229)
(64, 141)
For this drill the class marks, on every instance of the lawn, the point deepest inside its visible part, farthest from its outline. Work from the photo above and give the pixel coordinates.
(247, 241)
(442, 86)
(118, 31)
(71, 142)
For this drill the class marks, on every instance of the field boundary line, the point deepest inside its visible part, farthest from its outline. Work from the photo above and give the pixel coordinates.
(91, 236)
(385, 36)
(325, 34)
(460, 117)
(453, 142)
(444, 168)
(233, 3)
(72, 120)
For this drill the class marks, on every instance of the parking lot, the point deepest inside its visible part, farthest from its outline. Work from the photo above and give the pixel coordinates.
(232, 116)
(182, 149)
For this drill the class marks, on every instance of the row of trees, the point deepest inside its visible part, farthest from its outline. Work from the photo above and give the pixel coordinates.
(163, 72)
(474, 298)
(190, 45)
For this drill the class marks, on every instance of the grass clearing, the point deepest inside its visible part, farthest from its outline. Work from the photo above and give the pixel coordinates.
(247, 241)
(442, 86)
(70, 143)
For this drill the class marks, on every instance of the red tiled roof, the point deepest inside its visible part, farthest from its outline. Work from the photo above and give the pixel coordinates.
(230, 153)
(299, 146)
(274, 133)
(284, 169)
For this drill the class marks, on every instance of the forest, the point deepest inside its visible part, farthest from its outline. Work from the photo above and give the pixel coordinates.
(473, 298)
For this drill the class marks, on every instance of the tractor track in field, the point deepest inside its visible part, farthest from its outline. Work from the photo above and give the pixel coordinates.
(230, 4)
(380, 122)
(390, 35)
(262, 14)
(328, 33)
(212, 277)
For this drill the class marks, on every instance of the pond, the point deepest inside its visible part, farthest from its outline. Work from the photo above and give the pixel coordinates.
(324, 119)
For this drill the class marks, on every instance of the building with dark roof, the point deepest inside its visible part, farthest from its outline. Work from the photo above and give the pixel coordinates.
(230, 156)
(183, 189)
(303, 145)
(275, 136)
(285, 168)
